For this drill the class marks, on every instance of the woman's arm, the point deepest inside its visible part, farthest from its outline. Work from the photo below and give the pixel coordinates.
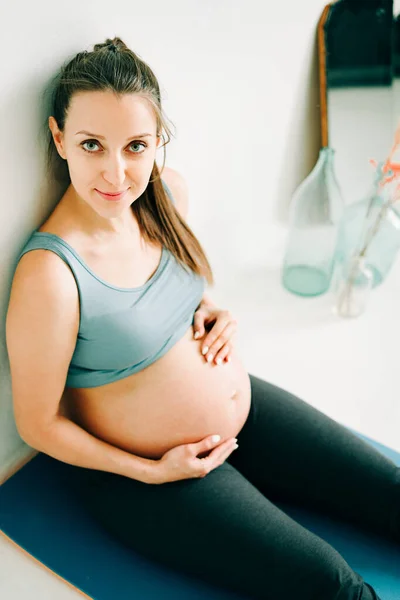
(206, 300)
(41, 330)
(64, 440)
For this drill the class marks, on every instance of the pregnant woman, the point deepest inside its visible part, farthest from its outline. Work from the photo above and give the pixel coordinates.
(109, 375)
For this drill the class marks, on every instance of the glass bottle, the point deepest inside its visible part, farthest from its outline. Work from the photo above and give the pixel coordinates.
(316, 211)
(353, 287)
(376, 221)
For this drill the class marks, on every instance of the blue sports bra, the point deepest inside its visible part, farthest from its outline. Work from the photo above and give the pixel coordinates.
(123, 330)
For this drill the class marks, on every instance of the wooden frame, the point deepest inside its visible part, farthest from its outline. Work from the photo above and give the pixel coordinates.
(322, 75)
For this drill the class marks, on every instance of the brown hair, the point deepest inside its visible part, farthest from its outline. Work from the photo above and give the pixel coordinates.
(113, 66)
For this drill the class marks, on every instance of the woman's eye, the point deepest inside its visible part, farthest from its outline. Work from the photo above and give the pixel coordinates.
(89, 142)
(93, 142)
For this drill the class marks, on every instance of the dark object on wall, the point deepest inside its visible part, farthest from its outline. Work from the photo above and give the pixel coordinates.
(396, 46)
(359, 37)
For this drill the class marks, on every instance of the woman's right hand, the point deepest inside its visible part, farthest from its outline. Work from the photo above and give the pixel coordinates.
(182, 462)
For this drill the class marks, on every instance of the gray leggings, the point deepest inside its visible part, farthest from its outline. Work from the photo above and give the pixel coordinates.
(225, 528)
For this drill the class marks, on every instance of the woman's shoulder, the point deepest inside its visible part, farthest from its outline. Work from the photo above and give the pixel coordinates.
(179, 189)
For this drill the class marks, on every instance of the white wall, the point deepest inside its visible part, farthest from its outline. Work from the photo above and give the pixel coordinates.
(239, 80)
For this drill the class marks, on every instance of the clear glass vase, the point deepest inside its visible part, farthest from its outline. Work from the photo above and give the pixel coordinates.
(376, 221)
(316, 212)
(353, 286)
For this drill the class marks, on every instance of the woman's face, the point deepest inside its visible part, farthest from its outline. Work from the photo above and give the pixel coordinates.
(115, 155)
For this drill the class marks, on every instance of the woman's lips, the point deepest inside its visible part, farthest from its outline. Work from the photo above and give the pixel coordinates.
(111, 196)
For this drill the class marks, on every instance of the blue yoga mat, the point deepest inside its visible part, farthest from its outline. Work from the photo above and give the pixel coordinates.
(39, 512)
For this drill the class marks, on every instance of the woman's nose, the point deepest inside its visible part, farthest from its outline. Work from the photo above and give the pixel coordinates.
(114, 172)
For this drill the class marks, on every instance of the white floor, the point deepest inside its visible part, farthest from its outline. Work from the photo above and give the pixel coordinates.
(346, 368)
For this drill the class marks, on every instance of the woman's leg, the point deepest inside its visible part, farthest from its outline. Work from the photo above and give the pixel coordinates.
(224, 531)
(293, 452)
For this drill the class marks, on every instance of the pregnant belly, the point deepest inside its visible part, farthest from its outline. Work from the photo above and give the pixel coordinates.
(179, 399)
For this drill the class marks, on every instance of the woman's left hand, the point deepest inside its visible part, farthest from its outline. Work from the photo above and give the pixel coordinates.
(217, 345)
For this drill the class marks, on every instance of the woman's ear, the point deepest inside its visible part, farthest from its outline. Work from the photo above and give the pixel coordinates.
(57, 136)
